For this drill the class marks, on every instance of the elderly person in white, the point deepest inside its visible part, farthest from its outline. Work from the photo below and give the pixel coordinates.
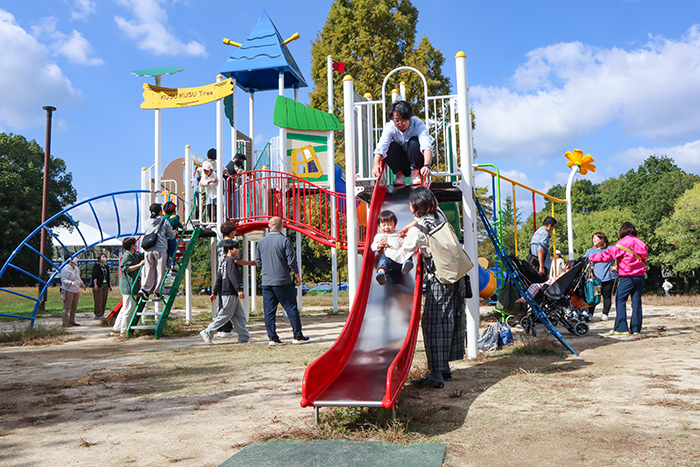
(70, 292)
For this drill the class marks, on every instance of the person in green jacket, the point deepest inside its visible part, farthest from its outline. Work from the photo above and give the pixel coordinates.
(129, 282)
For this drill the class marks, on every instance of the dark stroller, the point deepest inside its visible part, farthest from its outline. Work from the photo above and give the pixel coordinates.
(555, 301)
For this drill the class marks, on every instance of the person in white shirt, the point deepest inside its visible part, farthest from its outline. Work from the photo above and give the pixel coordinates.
(208, 182)
(405, 146)
(70, 292)
(667, 287)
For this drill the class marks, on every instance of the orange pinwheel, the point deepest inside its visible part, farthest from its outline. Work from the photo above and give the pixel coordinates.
(585, 163)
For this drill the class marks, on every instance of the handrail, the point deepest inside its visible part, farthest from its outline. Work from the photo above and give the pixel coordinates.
(256, 196)
(59, 266)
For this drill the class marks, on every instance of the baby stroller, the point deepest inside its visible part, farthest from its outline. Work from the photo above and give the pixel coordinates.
(555, 301)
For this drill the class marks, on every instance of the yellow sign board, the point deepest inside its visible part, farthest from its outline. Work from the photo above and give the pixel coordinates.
(156, 97)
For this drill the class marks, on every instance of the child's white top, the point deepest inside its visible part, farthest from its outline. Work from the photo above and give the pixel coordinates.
(208, 182)
(667, 286)
(416, 239)
(392, 239)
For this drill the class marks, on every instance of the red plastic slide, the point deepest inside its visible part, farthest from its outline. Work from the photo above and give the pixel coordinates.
(369, 362)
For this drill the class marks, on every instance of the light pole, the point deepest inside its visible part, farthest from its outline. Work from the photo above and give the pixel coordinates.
(45, 202)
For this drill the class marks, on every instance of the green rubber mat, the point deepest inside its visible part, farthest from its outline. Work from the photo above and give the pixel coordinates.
(337, 454)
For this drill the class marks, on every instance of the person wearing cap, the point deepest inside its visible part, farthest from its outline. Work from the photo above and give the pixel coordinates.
(558, 265)
(70, 292)
(208, 182)
(156, 257)
(228, 287)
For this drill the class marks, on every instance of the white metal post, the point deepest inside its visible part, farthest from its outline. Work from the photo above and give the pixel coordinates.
(350, 209)
(331, 182)
(219, 162)
(145, 198)
(246, 279)
(570, 227)
(402, 90)
(251, 122)
(157, 150)
(188, 207)
(234, 131)
(253, 280)
(469, 210)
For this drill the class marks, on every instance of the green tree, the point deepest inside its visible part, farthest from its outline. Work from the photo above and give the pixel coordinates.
(651, 190)
(680, 233)
(373, 37)
(21, 188)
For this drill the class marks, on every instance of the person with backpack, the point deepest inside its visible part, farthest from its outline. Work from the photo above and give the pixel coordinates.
(156, 255)
(444, 312)
(631, 255)
(170, 215)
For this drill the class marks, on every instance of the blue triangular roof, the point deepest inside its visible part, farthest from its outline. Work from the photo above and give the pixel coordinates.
(256, 64)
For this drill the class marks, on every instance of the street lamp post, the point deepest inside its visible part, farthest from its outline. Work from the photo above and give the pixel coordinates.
(45, 202)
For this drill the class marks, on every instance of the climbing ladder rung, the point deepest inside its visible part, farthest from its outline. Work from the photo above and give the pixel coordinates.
(143, 327)
(149, 314)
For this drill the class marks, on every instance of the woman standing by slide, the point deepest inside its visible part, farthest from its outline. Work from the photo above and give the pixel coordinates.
(606, 273)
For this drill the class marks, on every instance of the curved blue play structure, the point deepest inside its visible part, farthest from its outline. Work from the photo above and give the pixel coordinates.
(67, 215)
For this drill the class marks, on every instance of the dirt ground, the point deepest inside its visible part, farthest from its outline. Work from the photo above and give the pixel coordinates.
(99, 400)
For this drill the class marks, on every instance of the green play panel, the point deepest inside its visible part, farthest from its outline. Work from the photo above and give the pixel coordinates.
(337, 454)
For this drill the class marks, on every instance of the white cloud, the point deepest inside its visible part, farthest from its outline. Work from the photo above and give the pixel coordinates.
(30, 80)
(82, 9)
(76, 49)
(686, 156)
(569, 90)
(151, 32)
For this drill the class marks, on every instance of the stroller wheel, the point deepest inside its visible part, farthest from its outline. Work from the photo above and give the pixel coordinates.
(581, 328)
(528, 325)
(511, 321)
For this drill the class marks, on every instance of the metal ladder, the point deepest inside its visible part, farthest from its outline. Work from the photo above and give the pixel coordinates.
(182, 259)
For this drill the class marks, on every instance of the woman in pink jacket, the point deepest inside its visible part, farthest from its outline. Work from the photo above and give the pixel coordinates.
(631, 255)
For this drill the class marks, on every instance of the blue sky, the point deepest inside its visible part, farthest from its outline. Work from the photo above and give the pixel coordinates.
(618, 79)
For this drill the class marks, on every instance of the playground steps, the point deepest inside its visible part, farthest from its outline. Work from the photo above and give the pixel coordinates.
(161, 318)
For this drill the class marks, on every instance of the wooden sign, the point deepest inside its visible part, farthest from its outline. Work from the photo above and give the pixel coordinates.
(156, 97)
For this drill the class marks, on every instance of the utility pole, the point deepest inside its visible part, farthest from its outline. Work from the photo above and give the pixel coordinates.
(45, 203)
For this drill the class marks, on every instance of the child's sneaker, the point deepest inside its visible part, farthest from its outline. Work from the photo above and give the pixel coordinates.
(399, 179)
(206, 337)
(604, 317)
(406, 266)
(416, 178)
(381, 278)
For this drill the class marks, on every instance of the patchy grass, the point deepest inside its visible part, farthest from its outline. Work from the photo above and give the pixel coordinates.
(539, 346)
(348, 424)
(37, 335)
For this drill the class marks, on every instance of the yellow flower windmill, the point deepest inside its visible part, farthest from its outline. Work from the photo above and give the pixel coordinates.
(577, 163)
(585, 163)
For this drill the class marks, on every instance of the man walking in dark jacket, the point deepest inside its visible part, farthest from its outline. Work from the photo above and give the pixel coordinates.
(228, 286)
(276, 259)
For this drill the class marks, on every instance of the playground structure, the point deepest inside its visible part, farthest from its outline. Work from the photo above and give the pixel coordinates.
(369, 362)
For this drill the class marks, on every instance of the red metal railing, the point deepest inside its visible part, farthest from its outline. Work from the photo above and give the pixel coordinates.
(255, 197)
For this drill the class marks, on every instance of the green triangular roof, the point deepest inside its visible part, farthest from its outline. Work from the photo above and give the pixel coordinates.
(296, 116)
